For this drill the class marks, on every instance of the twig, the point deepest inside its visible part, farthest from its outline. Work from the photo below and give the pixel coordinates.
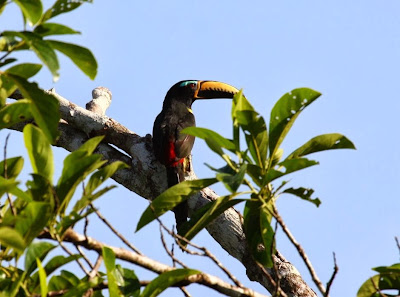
(170, 253)
(185, 292)
(335, 271)
(13, 211)
(82, 253)
(119, 235)
(301, 252)
(71, 254)
(278, 277)
(397, 243)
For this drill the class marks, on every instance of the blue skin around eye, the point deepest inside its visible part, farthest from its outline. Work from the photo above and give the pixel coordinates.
(185, 83)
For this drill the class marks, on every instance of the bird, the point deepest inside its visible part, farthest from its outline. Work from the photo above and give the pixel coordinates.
(171, 147)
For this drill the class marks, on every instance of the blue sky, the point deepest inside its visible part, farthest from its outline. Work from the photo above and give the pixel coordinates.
(347, 50)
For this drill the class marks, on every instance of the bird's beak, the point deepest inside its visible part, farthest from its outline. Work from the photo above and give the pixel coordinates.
(214, 89)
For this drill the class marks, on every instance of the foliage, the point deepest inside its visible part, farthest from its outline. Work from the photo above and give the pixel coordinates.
(385, 283)
(257, 167)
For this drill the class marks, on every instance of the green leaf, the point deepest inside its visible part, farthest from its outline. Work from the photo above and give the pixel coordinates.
(204, 216)
(7, 87)
(39, 151)
(12, 239)
(77, 165)
(285, 112)
(42, 277)
(258, 232)
(233, 182)
(14, 113)
(44, 107)
(109, 262)
(80, 56)
(32, 9)
(210, 135)
(48, 29)
(102, 175)
(62, 6)
(256, 174)
(25, 70)
(129, 284)
(395, 268)
(376, 285)
(71, 219)
(171, 198)
(58, 261)
(253, 124)
(289, 166)
(304, 193)
(42, 49)
(6, 185)
(323, 142)
(14, 167)
(36, 250)
(165, 280)
(31, 221)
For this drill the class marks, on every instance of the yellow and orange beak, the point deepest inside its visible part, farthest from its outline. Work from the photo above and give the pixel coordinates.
(214, 89)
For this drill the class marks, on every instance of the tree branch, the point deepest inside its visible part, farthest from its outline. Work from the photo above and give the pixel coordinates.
(146, 177)
(205, 279)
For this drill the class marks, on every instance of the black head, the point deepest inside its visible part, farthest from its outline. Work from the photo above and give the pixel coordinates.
(187, 91)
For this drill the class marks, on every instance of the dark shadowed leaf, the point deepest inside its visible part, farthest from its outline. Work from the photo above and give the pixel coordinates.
(130, 285)
(32, 9)
(48, 29)
(80, 56)
(201, 218)
(323, 142)
(285, 112)
(303, 193)
(12, 239)
(165, 280)
(14, 167)
(171, 198)
(44, 107)
(256, 233)
(233, 181)
(15, 113)
(39, 151)
(36, 250)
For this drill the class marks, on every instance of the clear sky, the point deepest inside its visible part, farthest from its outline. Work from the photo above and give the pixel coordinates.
(347, 50)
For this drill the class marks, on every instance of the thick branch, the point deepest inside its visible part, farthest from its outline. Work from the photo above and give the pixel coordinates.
(205, 279)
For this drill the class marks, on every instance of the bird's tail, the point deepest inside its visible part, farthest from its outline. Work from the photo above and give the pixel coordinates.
(175, 175)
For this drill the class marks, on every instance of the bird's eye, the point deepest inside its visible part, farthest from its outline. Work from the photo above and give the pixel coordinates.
(192, 85)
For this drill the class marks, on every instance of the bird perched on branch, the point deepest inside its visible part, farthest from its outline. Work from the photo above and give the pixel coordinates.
(172, 147)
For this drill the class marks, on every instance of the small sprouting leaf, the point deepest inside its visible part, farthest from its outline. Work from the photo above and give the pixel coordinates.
(14, 167)
(288, 166)
(47, 29)
(62, 6)
(304, 194)
(37, 250)
(171, 198)
(44, 107)
(41, 48)
(165, 280)
(80, 56)
(11, 238)
(233, 181)
(109, 262)
(395, 268)
(32, 9)
(323, 142)
(201, 218)
(285, 112)
(42, 278)
(14, 113)
(39, 151)
(25, 70)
